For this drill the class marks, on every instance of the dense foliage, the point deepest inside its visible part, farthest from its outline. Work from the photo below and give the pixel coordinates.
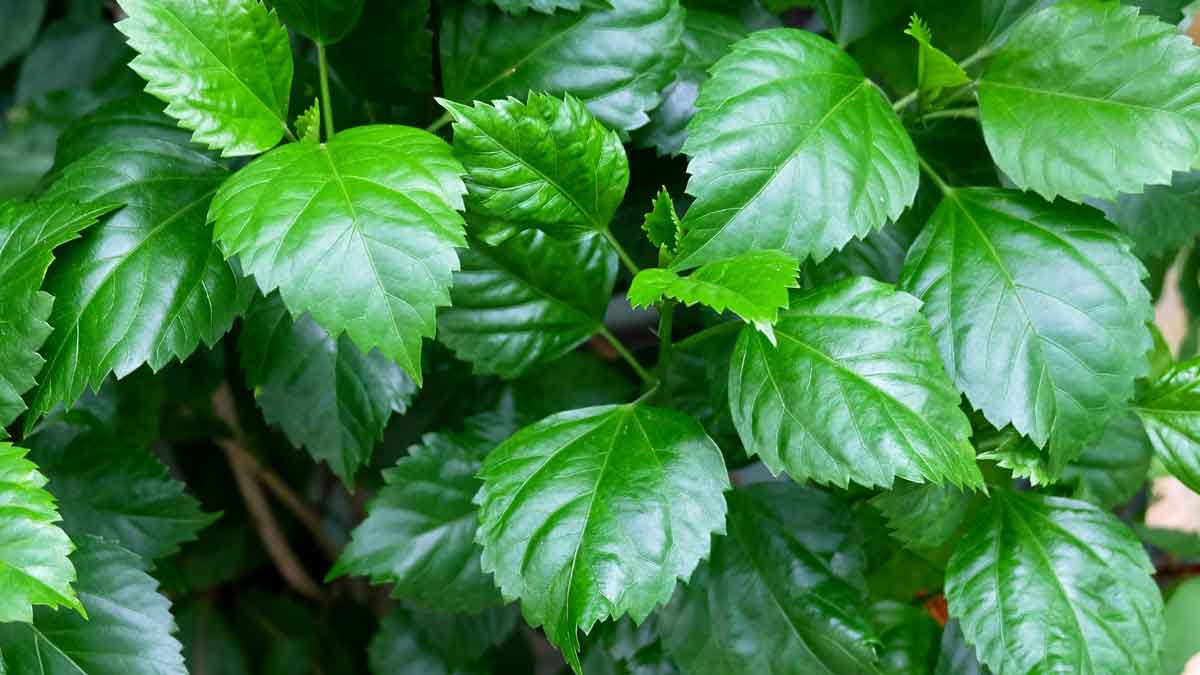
(701, 337)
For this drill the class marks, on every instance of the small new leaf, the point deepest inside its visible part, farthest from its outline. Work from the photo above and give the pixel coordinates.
(935, 70)
(752, 285)
(661, 224)
(308, 124)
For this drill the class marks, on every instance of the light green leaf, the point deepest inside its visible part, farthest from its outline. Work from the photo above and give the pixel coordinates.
(29, 233)
(1163, 218)
(34, 568)
(308, 124)
(326, 394)
(595, 513)
(146, 285)
(661, 224)
(1010, 450)
(1170, 412)
(1042, 584)
(773, 163)
(224, 68)
(322, 21)
(753, 285)
(127, 632)
(614, 60)
(1088, 99)
(1111, 471)
(358, 231)
(420, 528)
(527, 301)
(1039, 312)
(855, 391)
(547, 165)
(1182, 615)
(935, 70)
(781, 593)
(850, 20)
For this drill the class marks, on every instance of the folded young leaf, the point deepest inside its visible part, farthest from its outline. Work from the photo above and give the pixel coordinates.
(782, 592)
(1170, 412)
(935, 70)
(595, 513)
(224, 68)
(854, 391)
(547, 164)
(614, 60)
(29, 233)
(661, 224)
(128, 630)
(420, 529)
(358, 231)
(791, 148)
(1038, 309)
(34, 568)
(752, 285)
(527, 301)
(322, 21)
(1088, 99)
(146, 285)
(308, 124)
(1043, 584)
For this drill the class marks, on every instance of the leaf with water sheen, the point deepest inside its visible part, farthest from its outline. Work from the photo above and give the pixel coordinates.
(596, 513)
(1170, 413)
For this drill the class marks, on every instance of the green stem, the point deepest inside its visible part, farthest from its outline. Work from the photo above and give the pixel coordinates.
(326, 101)
(983, 53)
(625, 354)
(439, 123)
(714, 331)
(666, 321)
(625, 258)
(906, 101)
(933, 175)
(970, 112)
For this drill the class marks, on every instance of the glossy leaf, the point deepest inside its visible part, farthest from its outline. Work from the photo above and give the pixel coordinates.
(909, 637)
(138, 116)
(772, 160)
(420, 528)
(922, 516)
(323, 21)
(34, 568)
(1161, 219)
(224, 68)
(614, 60)
(1089, 99)
(854, 391)
(1043, 583)
(1038, 310)
(128, 629)
(1111, 471)
(595, 513)
(29, 233)
(358, 231)
(1170, 412)
(781, 592)
(527, 301)
(661, 224)
(146, 285)
(752, 285)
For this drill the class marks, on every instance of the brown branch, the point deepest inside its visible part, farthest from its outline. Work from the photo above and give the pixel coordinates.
(292, 501)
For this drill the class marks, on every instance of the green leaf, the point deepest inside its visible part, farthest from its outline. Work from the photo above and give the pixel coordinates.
(752, 285)
(322, 21)
(544, 391)
(853, 392)
(398, 649)
(401, 31)
(465, 638)
(1181, 616)
(1038, 309)
(224, 68)
(661, 224)
(527, 301)
(935, 70)
(1044, 584)
(781, 593)
(1175, 543)
(955, 656)
(1170, 412)
(358, 231)
(909, 638)
(547, 165)
(1012, 451)
(210, 646)
(1163, 218)
(614, 60)
(773, 164)
(1111, 471)
(308, 124)
(139, 116)
(594, 513)
(127, 632)
(924, 517)
(34, 568)
(520, 7)
(29, 233)
(850, 20)
(22, 19)
(82, 55)
(1077, 103)
(327, 395)
(146, 285)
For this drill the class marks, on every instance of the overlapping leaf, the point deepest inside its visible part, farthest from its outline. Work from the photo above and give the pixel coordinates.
(778, 158)
(924, 517)
(615, 60)
(1170, 412)
(1044, 584)
(358, 231)
(323, 21)
(146, 285)
(224, 67)
(1038, 310)
(854, 391)
(781, 592)
(850, 20)
(527, 301)
(595, 513)
(1111, 471)
(1089, 99)
(138, 116)
(1162, 218)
